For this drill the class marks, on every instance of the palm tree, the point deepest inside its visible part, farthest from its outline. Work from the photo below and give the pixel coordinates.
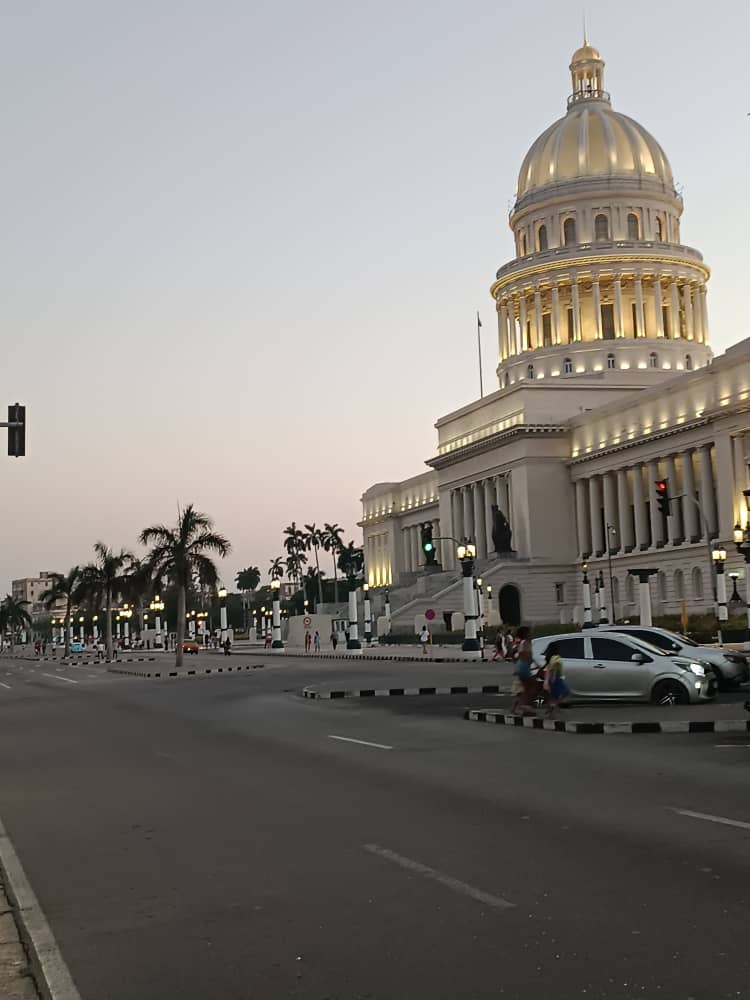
(277, 568)
(14, 616)
(139, 585)
(294, 543)
(179, 554)
(333, 543)
(351, 561)
(65, 586)
(103, 582)
(314, 541)
(248, 579)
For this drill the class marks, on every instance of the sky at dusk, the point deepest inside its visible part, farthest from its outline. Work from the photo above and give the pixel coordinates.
(244, 242)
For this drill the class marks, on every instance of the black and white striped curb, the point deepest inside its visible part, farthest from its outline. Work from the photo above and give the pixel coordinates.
(368, 656)
(88, 658)
(608, 728)
(395, 692)
(186, 673)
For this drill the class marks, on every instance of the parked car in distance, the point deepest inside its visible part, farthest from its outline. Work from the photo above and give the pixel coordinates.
(76, 646)
(190, 646)
(611, 665)
(730, 666)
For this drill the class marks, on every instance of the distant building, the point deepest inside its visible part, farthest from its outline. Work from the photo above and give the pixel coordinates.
(31, 588)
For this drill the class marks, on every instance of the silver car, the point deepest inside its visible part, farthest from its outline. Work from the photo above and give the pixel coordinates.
(730, 667)
(618, 666)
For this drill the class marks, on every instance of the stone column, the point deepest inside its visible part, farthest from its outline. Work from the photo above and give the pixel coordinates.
(556, 338)
(687, 301)
(406, 548)
(658, 307)
(597, 308)
(691, 520)
(479, 523)
(610, 511)
(595, 515)
(457, 514)
(642, 538)
(538, 338)
(512, 341)
(502, 328)
(697, 317)
(674, 522)
(707, 495)
(468, 508)
(576, 303)
(619, 325)
(640, 320)
(740, 477)
(489, 499)
(415, 551)
(674, 309)
(704, 313)
(524, 339)
(724, 479)
(623, 505)
(657, 519)
(582, 519)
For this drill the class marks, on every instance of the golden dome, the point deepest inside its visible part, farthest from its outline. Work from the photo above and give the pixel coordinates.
(585, 53)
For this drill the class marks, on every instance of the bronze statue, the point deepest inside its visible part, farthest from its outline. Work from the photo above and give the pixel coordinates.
(501, 532)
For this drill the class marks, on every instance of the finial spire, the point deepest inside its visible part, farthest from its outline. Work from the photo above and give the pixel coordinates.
(585, 36)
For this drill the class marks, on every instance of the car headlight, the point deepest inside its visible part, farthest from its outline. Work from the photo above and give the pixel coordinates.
(698, 669)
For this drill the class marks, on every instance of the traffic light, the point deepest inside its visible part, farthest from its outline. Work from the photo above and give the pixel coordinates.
(16, 430)
(428, 546)
(663, 498)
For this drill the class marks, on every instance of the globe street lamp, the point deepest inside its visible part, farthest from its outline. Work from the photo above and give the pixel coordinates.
(201, 619)
(367, 613)
(126, 612)
(602, 592)
(466, 553)
(387, 613)
(157, 606)
(223, 614)
(81, 629)
(95, 620)
(117, 627)
(262, 623)
(480, 613)
(587, 619)
(276, 642)
(719, 556)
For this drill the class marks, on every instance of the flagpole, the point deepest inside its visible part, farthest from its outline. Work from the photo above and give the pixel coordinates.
(479, 348)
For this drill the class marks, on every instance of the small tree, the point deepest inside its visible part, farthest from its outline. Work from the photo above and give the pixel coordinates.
(314, 541)
(277, 568)
(67, 587)
(103, 581)
(333, 542)
(14, 616)
(179, 555)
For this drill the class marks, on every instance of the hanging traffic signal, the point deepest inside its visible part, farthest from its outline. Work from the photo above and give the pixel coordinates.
(16, 430)
(663, 498)
(428, 546)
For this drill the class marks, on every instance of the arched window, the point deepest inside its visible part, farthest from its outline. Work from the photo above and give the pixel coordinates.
(661, 584)
(688, 363)
(567, 367)
(541, 239)
(601, 227)
(679, 585)
(630, 589)
(633, 227)
(659, 230)
(697, 584)
(522, 244)
(610, 361)
(569, 232)
(530, 371)
(653, 360)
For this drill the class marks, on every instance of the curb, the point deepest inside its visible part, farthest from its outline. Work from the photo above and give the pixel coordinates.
(607, 728)
(369, 656)
(311, 692)
(185, 673)
(86, 658)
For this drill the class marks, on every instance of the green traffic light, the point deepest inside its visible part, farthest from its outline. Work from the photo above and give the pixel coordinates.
(428, 546)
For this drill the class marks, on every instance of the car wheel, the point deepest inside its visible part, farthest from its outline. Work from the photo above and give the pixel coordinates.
(669, 693)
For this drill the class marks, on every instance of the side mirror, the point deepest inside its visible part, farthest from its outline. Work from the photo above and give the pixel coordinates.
(638, 658)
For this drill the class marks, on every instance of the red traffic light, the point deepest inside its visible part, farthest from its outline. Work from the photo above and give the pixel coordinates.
(661, 485)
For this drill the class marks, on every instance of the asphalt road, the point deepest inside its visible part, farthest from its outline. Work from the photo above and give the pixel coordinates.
(219, 836)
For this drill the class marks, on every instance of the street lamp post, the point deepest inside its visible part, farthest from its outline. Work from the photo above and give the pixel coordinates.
(602, 592)
(126, 613)
(387, 613)
(742, 542)
(587, 619)
(95, 621)
(117, 627)
(611, 533)
(719, 556)
(276, 642)
(81, 630)
(223, 614)
(367, 613)
(466, 553)
(157, 606)
(480, 613)
(353, 641)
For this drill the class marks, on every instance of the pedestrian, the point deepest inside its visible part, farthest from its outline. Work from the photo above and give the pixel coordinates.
(308, 641)
(499, 644)
(554, 681)
(334, 639)
(44, 647)
(37, 648)
(424, 638)
(100, 649)
(227, 646)
(522, 686)
(316, 641)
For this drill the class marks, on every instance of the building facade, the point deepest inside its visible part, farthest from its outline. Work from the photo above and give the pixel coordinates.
(606, 384)
(31, 589)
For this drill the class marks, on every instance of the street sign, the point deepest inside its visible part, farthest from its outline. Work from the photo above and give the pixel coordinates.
(429, 614)
(307, 620)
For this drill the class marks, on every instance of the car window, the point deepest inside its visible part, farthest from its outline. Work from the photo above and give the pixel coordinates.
(657, 639)
(572, 648)
(611, 649)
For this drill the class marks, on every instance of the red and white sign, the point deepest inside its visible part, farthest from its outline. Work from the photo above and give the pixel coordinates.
(307, 620)
(429, 614)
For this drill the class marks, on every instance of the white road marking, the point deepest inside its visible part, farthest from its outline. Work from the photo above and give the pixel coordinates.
(723, 820)
(497, 902)
(5, 685)
(55, 971)
(722, 746)
(54, 677)
(364, 743)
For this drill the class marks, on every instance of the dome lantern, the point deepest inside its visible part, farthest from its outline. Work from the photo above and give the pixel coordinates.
(587, 72)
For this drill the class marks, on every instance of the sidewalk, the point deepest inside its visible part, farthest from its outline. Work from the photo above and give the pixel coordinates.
(16, 980)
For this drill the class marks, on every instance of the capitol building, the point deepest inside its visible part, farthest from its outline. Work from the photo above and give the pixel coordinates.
(606, 383)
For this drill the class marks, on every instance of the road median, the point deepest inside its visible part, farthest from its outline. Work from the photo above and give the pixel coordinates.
(602, 727)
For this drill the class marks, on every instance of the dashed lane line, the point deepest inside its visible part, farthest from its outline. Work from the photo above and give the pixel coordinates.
(54, 677)
(496, 902)
(709, 818)
(2, 684)
(364, 743)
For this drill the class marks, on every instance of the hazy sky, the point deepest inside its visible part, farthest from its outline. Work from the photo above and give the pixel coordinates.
(244, 242)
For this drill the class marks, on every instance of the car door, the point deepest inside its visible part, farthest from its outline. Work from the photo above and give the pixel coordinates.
(575, 665)
(614, 673)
